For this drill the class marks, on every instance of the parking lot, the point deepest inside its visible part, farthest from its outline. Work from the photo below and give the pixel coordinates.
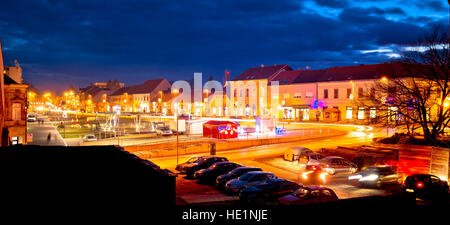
(191, 191)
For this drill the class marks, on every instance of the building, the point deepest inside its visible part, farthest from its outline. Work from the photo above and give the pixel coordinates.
(137, 98)
(94, 98)
(13, 119)
(333, 94)
(250, 93)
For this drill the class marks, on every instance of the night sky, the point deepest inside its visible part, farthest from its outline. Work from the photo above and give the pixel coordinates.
(78, 42)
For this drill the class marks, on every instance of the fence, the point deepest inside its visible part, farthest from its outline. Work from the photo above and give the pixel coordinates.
(203, 145)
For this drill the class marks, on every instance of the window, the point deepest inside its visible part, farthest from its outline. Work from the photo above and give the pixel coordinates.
(16, 111)
(391, 92)
(235, 92)
(309, 95)
(373, 112)
(297, 95)
(360, 92)
(286, 95)
(349, 92)
(372, 92)
(361, 113)
(325, 93)
(336, 93)
(248, 93)
(349, 113)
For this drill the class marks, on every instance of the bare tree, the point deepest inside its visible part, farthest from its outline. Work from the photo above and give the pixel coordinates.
(415, 92)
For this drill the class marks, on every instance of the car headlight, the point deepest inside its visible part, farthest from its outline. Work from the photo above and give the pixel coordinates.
(370, 177)
(355, 177)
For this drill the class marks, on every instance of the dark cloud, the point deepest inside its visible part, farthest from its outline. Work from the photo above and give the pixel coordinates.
(333, 3)
(85, 41)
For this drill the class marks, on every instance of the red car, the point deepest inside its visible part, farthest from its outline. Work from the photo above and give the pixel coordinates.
(307, 195)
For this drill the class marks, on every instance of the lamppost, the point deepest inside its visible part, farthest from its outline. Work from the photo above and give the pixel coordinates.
(236, 109)
(176, 116)
(283, 102)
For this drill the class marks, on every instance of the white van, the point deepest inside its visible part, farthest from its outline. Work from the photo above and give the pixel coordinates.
(293, 154)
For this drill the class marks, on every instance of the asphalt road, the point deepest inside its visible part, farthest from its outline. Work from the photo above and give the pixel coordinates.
(260, 156)
(41, 133)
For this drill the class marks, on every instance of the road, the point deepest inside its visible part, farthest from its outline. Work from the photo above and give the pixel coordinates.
(41, 132)
(269, 158)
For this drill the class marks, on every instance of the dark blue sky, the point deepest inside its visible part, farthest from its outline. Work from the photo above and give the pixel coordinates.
(63, 42)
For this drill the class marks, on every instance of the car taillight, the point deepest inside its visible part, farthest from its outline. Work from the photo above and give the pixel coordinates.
(419, 185)
(314, 168)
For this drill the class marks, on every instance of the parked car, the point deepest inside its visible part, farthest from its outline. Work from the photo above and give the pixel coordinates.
(89, 137)
(310, 158)
(223, 179)
(193, 159)
(293, 154)
(425, 186)
(378, 176)
(203, 163)
(335, 164)
(248, 179)
(217, 169)
(269, 190)
(31, 118)
(163, 131)
(307, 195)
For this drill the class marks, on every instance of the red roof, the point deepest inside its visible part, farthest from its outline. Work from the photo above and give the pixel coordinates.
(287, 77)
(218, 123)
(360, 72)
(262, 72)
(147, 87)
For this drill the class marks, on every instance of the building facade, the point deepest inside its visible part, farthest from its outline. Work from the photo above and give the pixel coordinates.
(138, 98)
(13, 118)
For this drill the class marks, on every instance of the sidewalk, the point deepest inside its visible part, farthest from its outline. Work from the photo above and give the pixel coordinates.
(42, 131)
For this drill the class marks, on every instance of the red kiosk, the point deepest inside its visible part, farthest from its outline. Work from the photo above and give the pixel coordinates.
(220, 129)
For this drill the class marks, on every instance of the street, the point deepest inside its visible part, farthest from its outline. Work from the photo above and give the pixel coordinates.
(41, 133)
(269, 158)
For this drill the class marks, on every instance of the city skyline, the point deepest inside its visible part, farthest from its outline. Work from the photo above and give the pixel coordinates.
(80, 43)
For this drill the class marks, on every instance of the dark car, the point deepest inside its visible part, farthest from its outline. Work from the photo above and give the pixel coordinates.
(223, 179)
(307, 195)
(217, 169)
(334, 164)
(425, 186)
(203, 163)
(267, 191)
(377, 176)
(181, 167)
(314, 175)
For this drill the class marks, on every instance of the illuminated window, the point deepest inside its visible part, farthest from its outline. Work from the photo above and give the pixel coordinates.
(286, 95)
(308, 94)
(349, 113)
(361, 113)
(305, 113)
(16, 111)
(373, 112)
(297, 95)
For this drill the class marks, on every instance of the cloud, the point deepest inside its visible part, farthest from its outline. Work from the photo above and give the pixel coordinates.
(86, 41)
(333, 3)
